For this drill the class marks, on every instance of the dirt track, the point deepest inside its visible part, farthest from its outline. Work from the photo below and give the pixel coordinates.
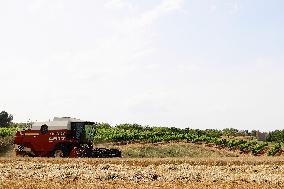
(142, 173)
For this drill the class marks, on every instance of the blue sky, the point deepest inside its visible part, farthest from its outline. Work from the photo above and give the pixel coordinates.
(199, 63)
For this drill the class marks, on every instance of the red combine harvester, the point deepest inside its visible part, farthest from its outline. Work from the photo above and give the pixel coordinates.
(62, 137)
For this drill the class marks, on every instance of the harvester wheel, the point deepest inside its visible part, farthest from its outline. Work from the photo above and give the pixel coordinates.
(59, 152)
(26, 155)
(75, 152)
(21, 154)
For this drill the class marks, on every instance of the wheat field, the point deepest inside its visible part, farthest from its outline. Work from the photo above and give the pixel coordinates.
(247, 172)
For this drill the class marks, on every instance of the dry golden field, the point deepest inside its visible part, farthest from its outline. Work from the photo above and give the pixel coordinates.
(225, 172)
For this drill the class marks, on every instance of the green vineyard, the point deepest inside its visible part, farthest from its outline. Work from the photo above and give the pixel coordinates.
(5, 132)
(134, 133)
(6, 137)
(130, 133)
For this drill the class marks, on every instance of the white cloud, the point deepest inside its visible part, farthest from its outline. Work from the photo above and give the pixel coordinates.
(235, 8)
(118, 4)
(213, 8)
(36, 6)
(97, 75)
(128, 42)
(167, 6)
(230, 7)
(121, 61)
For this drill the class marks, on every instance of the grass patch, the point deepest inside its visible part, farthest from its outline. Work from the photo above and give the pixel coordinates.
(6, 143)
(164, 150)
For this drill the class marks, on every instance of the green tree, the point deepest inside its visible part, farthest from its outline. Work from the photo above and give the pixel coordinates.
(5, 119)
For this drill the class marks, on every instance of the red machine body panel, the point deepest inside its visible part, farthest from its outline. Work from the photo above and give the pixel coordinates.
(43, 144)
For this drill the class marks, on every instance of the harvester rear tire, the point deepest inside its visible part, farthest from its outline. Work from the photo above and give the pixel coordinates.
(59, 152)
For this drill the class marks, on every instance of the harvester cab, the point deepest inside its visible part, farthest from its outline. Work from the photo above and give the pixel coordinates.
(78, 131)
(62, 137)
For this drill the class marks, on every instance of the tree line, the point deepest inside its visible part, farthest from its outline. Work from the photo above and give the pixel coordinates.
(137, 132)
